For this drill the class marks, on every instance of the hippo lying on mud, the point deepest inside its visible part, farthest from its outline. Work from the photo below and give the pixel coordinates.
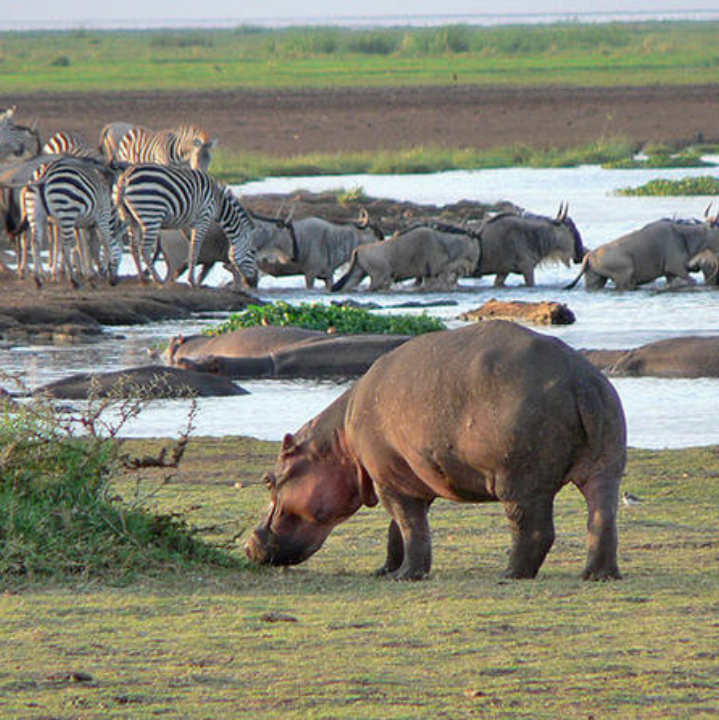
(489, 412)
(148, 381)
(680, 357)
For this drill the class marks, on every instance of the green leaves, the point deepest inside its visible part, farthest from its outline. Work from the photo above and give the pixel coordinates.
(333, 318)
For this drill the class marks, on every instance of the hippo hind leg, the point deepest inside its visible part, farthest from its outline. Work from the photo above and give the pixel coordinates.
(532, 527)
(601, 496)
(409, 542)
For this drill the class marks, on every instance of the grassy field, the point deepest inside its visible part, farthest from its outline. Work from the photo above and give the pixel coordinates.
(327, 640)
(567, 53)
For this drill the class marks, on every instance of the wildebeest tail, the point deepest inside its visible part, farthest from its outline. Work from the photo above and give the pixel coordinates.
(354, 275)
(582, 270)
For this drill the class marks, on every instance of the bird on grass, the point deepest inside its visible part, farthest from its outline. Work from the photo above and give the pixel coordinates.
(629, 499)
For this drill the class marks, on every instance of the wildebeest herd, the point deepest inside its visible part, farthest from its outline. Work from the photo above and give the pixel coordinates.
(151, 192)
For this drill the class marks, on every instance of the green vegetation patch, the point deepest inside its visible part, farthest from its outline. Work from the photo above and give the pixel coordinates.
(704, 185)
(241, 167)
(563, 53)
(58, 516)
(334, 318)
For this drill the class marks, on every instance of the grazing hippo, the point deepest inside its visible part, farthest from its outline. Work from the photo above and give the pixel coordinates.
(333, 356)
(246, 342)
(148, 381)
(680, 357)
(488, 412)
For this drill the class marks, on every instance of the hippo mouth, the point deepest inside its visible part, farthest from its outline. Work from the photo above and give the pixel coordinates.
(265, 548)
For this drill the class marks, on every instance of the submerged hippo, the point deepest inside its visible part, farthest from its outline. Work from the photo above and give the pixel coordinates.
(333, 356)
(148, 381)
(679, 357)
(490, 412)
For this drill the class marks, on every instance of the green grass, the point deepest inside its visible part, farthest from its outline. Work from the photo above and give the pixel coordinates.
(337, 318)
(462, 644)
(241, 167)
(565, 53)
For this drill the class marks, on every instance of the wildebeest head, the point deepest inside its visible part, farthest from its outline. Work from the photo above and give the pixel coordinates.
(564, 219)
(310, 493)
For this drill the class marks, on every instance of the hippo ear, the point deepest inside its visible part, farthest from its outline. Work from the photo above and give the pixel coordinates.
(366, 488)
(288, 443)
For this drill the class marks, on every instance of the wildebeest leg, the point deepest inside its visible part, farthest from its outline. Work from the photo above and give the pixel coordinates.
(532, 535)
(499, 279)
(602, 497)
(395, 551)
(528, 273)
(409, 516)
(594, 281)
(309, 281)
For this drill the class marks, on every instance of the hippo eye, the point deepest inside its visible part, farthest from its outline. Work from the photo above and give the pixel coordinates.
(269, 481)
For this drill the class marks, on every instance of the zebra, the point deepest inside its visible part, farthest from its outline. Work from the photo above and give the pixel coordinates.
(67, 142)
(17, 139)
(151, 197)
(187, 145)
(72, 194)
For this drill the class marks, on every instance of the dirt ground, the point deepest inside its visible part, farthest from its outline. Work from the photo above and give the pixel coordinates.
(288, 122)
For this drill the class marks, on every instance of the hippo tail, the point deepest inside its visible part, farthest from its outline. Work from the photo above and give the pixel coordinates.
(353, 277)
(582, 270)
(602, 418)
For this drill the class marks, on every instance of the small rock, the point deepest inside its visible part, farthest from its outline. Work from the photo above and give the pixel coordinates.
(275, 616)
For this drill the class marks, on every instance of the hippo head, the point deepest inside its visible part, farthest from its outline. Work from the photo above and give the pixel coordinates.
(311, 492)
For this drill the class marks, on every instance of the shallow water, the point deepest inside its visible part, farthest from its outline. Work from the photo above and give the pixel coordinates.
(660, 413)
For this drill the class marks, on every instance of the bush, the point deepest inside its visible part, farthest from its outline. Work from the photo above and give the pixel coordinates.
(339, 318)
(61, 61)
(705, 185)
(59, 517)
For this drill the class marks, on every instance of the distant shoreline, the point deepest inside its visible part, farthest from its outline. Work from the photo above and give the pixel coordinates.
(355, 22)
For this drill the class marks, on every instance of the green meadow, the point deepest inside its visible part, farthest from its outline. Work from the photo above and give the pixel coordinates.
(251, 57)
(328, 640)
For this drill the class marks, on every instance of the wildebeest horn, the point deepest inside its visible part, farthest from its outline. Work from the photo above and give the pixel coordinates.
(566, 211)
(279, 210)
(363, 220)
(559, 212)
(288, 219)
(706, 212)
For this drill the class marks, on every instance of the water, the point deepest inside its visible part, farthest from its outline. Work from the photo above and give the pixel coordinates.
(661, 413)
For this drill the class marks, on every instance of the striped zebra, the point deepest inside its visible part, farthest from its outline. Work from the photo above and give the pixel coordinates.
(72, 194)
(17, 139)
(67, 142)
(187, 145)
(152, 197)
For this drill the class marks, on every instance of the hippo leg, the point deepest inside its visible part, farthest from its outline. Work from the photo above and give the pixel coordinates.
(410, 524)
(602, 498)
(532, 535)
(395, 551)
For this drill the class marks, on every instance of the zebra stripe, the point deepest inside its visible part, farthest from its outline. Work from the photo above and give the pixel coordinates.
(67, 142)
(187, 145)
(152, 197)
(74, 196)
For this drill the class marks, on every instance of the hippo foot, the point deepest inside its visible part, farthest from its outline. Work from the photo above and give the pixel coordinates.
(519, 574)
(602, 574)
(403, 574)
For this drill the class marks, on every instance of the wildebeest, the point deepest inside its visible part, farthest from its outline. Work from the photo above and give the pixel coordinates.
(312, 247)
(517, 243)
(488, 412)
(437, 257)
(663, 248)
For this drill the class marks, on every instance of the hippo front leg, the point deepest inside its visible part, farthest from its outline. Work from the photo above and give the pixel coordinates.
(409, 542)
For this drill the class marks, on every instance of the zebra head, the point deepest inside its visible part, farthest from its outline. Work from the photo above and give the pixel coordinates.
(200, 154)
(17, 139)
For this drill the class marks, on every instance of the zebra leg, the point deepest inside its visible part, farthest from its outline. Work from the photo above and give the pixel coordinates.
(148, 248)
(68, 244)
(34, 211)
(112, 247)
(196, 238)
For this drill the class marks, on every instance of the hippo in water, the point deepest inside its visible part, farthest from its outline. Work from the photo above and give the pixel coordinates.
(489, 412)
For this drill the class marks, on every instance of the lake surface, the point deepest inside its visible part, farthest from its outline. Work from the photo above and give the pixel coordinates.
(660, 413)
